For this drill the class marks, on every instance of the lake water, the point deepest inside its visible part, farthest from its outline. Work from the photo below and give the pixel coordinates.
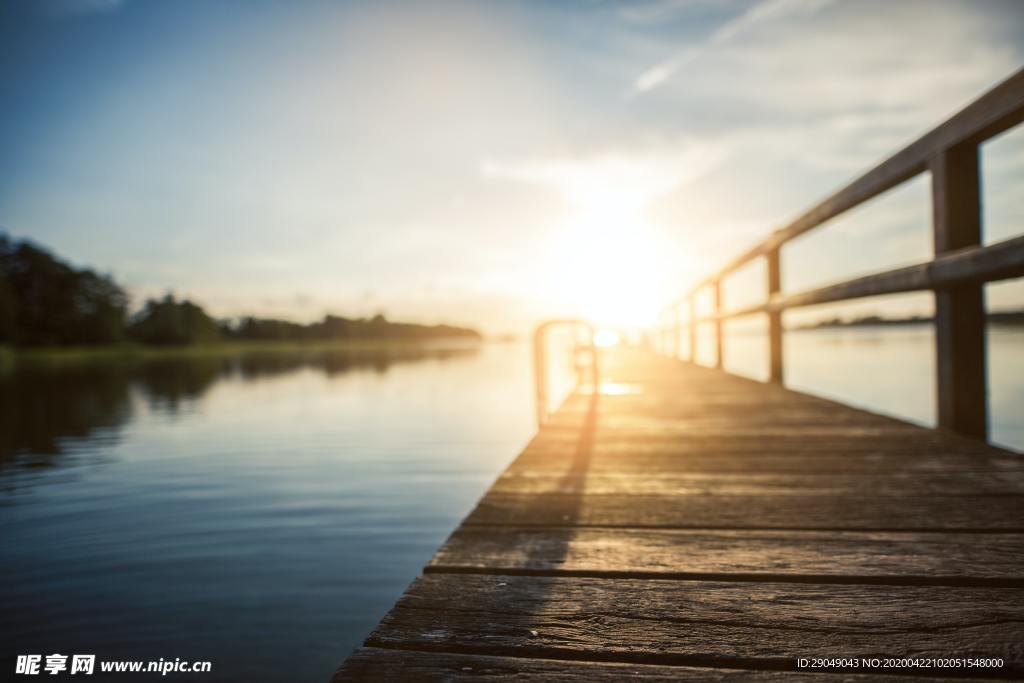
(264, 512)
(886, 369)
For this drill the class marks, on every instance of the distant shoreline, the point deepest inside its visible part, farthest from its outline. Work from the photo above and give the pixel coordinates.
(10, 355)
(997, 318)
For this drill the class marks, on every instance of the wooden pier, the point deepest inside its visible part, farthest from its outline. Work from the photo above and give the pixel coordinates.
(681, 523)
(688, 524)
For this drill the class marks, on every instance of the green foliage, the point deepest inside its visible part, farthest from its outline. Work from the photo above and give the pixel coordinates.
(170, 322)
(8, 309)
(46, 302)
(334, 327)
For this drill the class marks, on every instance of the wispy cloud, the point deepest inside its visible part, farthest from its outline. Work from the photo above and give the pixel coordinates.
(763, 12)
(440, 175)
(636, 178)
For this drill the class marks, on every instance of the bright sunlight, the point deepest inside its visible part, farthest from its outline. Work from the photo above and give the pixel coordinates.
(608, 262)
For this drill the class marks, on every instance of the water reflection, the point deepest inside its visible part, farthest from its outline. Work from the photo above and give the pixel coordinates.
(44, 405)
(260, 510)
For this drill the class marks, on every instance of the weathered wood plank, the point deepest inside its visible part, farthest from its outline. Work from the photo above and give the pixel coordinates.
(640, 427)
(611, 440)
(748, 555)
(741, 484)
(722, 437)
(823, 512)
(379, 664)
(691, 521)
(749, 625)
(628, 461)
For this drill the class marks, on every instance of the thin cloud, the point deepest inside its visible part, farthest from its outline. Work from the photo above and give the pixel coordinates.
(767, 11)
(637, 178)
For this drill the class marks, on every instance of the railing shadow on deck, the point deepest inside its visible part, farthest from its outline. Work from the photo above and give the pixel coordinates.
(573, 436)
(569, 488)
(956, 275)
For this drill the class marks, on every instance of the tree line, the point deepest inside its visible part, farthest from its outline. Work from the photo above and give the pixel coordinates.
(47, 302)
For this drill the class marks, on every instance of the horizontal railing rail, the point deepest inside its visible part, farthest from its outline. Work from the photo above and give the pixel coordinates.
(956, 275)
(1000, 261)
(540, 362)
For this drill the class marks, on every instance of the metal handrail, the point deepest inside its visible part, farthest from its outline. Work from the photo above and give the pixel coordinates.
(956, 275)
(540, 375)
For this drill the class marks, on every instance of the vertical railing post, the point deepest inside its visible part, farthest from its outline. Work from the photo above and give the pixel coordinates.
(775, 372)
(692, 301)
(677, 323)
(666, 335)
(540, 376)
(719, 343)
(540, 364)
(959, 310)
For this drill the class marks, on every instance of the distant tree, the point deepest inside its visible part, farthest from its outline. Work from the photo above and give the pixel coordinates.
(173, 323)
(8, 311)
(334, 327)
(44, 301)
(263, 329)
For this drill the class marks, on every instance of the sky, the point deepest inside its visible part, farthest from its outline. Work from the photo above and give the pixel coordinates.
(484, 163)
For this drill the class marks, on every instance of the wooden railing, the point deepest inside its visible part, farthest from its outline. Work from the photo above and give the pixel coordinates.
(584, 355)
(956, 275)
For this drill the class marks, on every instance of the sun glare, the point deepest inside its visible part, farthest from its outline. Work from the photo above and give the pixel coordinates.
(606, 338)
(608, 263)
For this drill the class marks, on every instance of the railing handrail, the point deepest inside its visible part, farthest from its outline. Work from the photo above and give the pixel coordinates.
(999, 261)
(540, 361)
(995, 112)
(956, 275)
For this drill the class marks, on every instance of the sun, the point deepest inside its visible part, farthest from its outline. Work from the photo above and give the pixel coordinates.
(608, 264)
(606, 338)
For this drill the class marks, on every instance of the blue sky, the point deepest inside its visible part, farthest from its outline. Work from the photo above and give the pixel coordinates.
(483, 163)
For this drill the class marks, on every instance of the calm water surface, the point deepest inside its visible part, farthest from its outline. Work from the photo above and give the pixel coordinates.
(264, 512)
(261, 513)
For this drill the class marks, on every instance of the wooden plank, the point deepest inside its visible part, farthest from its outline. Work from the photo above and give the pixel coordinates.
(627, 462)
(634, 417)
(747, 625)
(689, 445)
(581, 481)
(695, 443)
(696, 525)
(723, 430)
(635, 420)
(843, 557)
(875, 513)
(379, 664)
